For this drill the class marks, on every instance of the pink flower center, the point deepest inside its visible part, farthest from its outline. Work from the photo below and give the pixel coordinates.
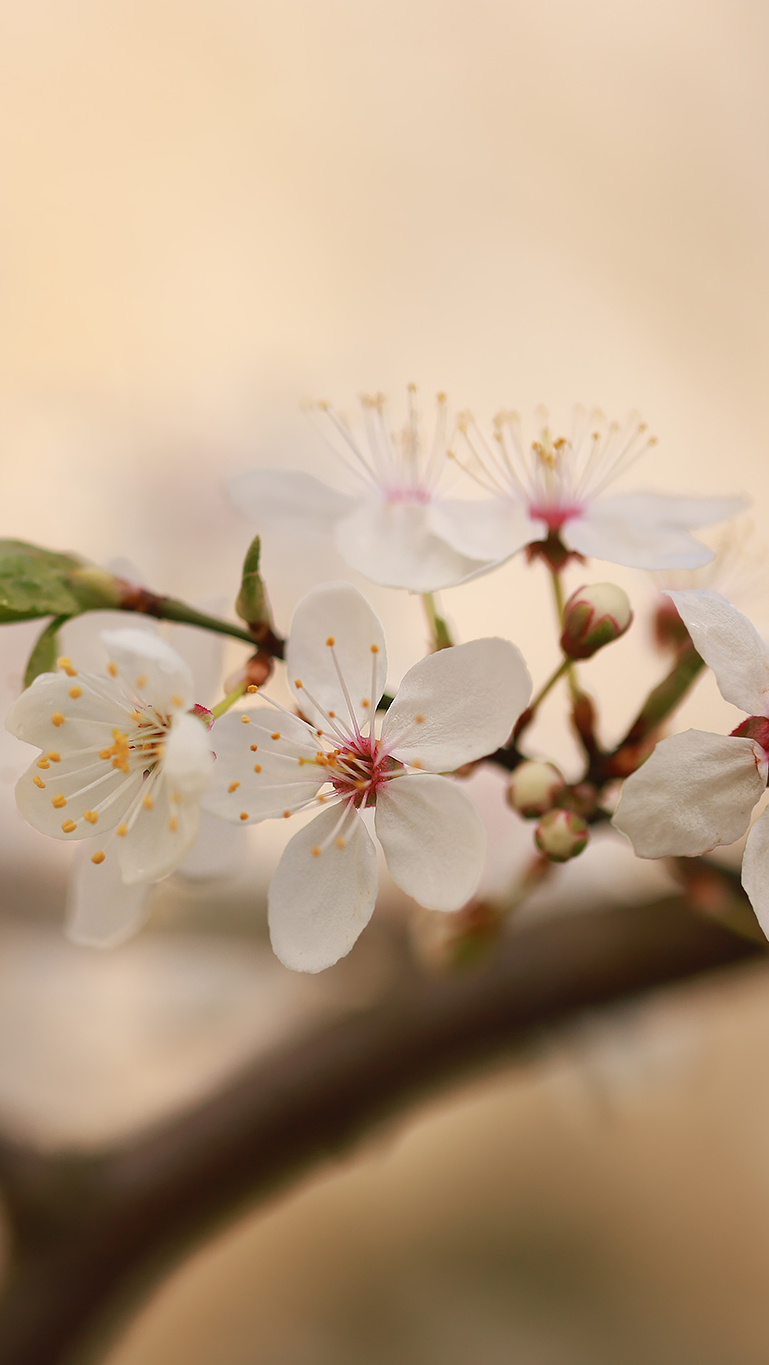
(360, 769)
(408, 495)
(554, 515)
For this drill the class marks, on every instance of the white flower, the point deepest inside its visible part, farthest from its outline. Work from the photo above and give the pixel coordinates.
(122, 760)
(558, 486)
(698, 790)
(452, 708)
(390, 528)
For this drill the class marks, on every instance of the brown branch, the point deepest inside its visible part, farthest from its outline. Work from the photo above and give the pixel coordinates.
(89, 1230)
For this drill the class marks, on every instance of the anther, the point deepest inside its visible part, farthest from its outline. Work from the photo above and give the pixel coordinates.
(38, 781)
(254, 748)
(257, 767)
(105, 753)
(365, 703)
(375, 649)
(177, 700)
(173, 824)
(331, 716)
(58, 801)
(286, 814)
(121, 831)
(75, 692)
(233, 787)
(57, 718)
(276, 735)
(54, 757)
(97, 858)
(141, 681)
(298, 684)
(42, 763)
(69, 827)
(340, 843)
(252, 687)
(112, 670)
(148, 803)
(420, 720)
(331, 642)
(90, 816)
(245, 720)
(315, 851)
(244, 815)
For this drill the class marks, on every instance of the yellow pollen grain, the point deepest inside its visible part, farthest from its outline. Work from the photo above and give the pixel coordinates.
(58, 801)
(276, 735)
(173, 824)
(286, 814)
(141, 681)
(331, 642)
(75, 692)
(252, 687)
(257, 767)
(91, 816)
(64, 662)
(97, 858)
(105, 753)
(233, 787)
(148, 803)
(111, 669)
(57, 718)
(177, 700)
(331, 716)
(320, 799)
(254, 748)
(121, 831)
(136, 715)
(375, 649)
(38, 781)
(340, 843)
(42, 763)
(298, 684)
(245, 720)
(416, 763)
(420, 720)
(365, 703)
(54, 757)
(69, 827)
(244, 815)
(315, 851)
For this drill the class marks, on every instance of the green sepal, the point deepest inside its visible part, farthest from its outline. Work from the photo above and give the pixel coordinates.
(252, 604)
(45, 652)
(33, 582)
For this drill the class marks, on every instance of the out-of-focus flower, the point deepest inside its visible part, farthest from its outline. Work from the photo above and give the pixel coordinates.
(452, 708)
(123, 759)
(534, 788)
(737, 570)
(557, 486)
(698, 790)
(561, 835)
(390, 527)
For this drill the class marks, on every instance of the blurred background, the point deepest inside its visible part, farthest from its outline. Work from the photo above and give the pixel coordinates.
(211, 213)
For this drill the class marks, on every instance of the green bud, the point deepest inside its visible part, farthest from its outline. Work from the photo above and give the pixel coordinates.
(534, 788)
(561, 835)
(252, 604)
(594, 616)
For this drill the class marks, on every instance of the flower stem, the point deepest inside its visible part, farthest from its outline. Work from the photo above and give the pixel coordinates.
(569, 670)
(229, 700)
(134, 598)
(441, 635)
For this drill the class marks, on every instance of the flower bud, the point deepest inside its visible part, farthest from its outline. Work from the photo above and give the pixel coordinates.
(667, 627)
(561, 835)
(593, 617)
(534, 788)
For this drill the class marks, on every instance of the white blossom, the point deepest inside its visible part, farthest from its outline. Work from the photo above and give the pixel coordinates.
(390, 525)
(698, 790)
(452, 707)
(558, 486)
(123, 764)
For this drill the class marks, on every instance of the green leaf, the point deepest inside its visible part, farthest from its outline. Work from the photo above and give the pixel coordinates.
(33, 582)
(252, 604)
(45, 653)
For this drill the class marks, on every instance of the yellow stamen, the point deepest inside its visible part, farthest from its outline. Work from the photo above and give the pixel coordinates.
(245, 720)
(331, 642)
(315, 851)
(141, 681)
(254, 748)
(57, 718)
(252, 687)
(173, 824)
(257, 767)
(69, 827)
(112, 670)
(286, 814)
(38, 781)
(75, 692)
(66, 666)
(42, 763)
(340, 843)
(233, 787)
(244, 815)
(121, 831)
(276, 735)
(148, 803)
(91, 816)
(420, 720)
(54, 757)
(177, 700)
(97, 858)
(375, 649)
(58, 801)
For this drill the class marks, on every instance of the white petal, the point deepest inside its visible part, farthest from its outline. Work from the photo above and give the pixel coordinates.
(457, 705)
(696, 791)
(101, 910)
(490, 529)
(337, 612)
(188, 761)
(218, 851)
(89, 717)
(159, 838)
(433, 838)
(318, 905)
(269, 495)
(658, 508)
(755, 869)
(611, 532)
(272, 743)
(730, 645)
(396, 544)
(151, 669)
(84, 782)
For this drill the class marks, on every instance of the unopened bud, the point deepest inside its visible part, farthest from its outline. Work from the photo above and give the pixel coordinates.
(561, 835)
(534, 788)
(668, 628)
(593, 617)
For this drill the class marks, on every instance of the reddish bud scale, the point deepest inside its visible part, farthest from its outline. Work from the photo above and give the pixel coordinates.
(757, 728)
(594, 616)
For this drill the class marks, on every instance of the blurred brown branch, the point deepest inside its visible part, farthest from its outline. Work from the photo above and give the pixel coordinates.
(89, 1231)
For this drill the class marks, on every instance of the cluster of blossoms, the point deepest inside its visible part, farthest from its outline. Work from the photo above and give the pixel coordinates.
(128, 761)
